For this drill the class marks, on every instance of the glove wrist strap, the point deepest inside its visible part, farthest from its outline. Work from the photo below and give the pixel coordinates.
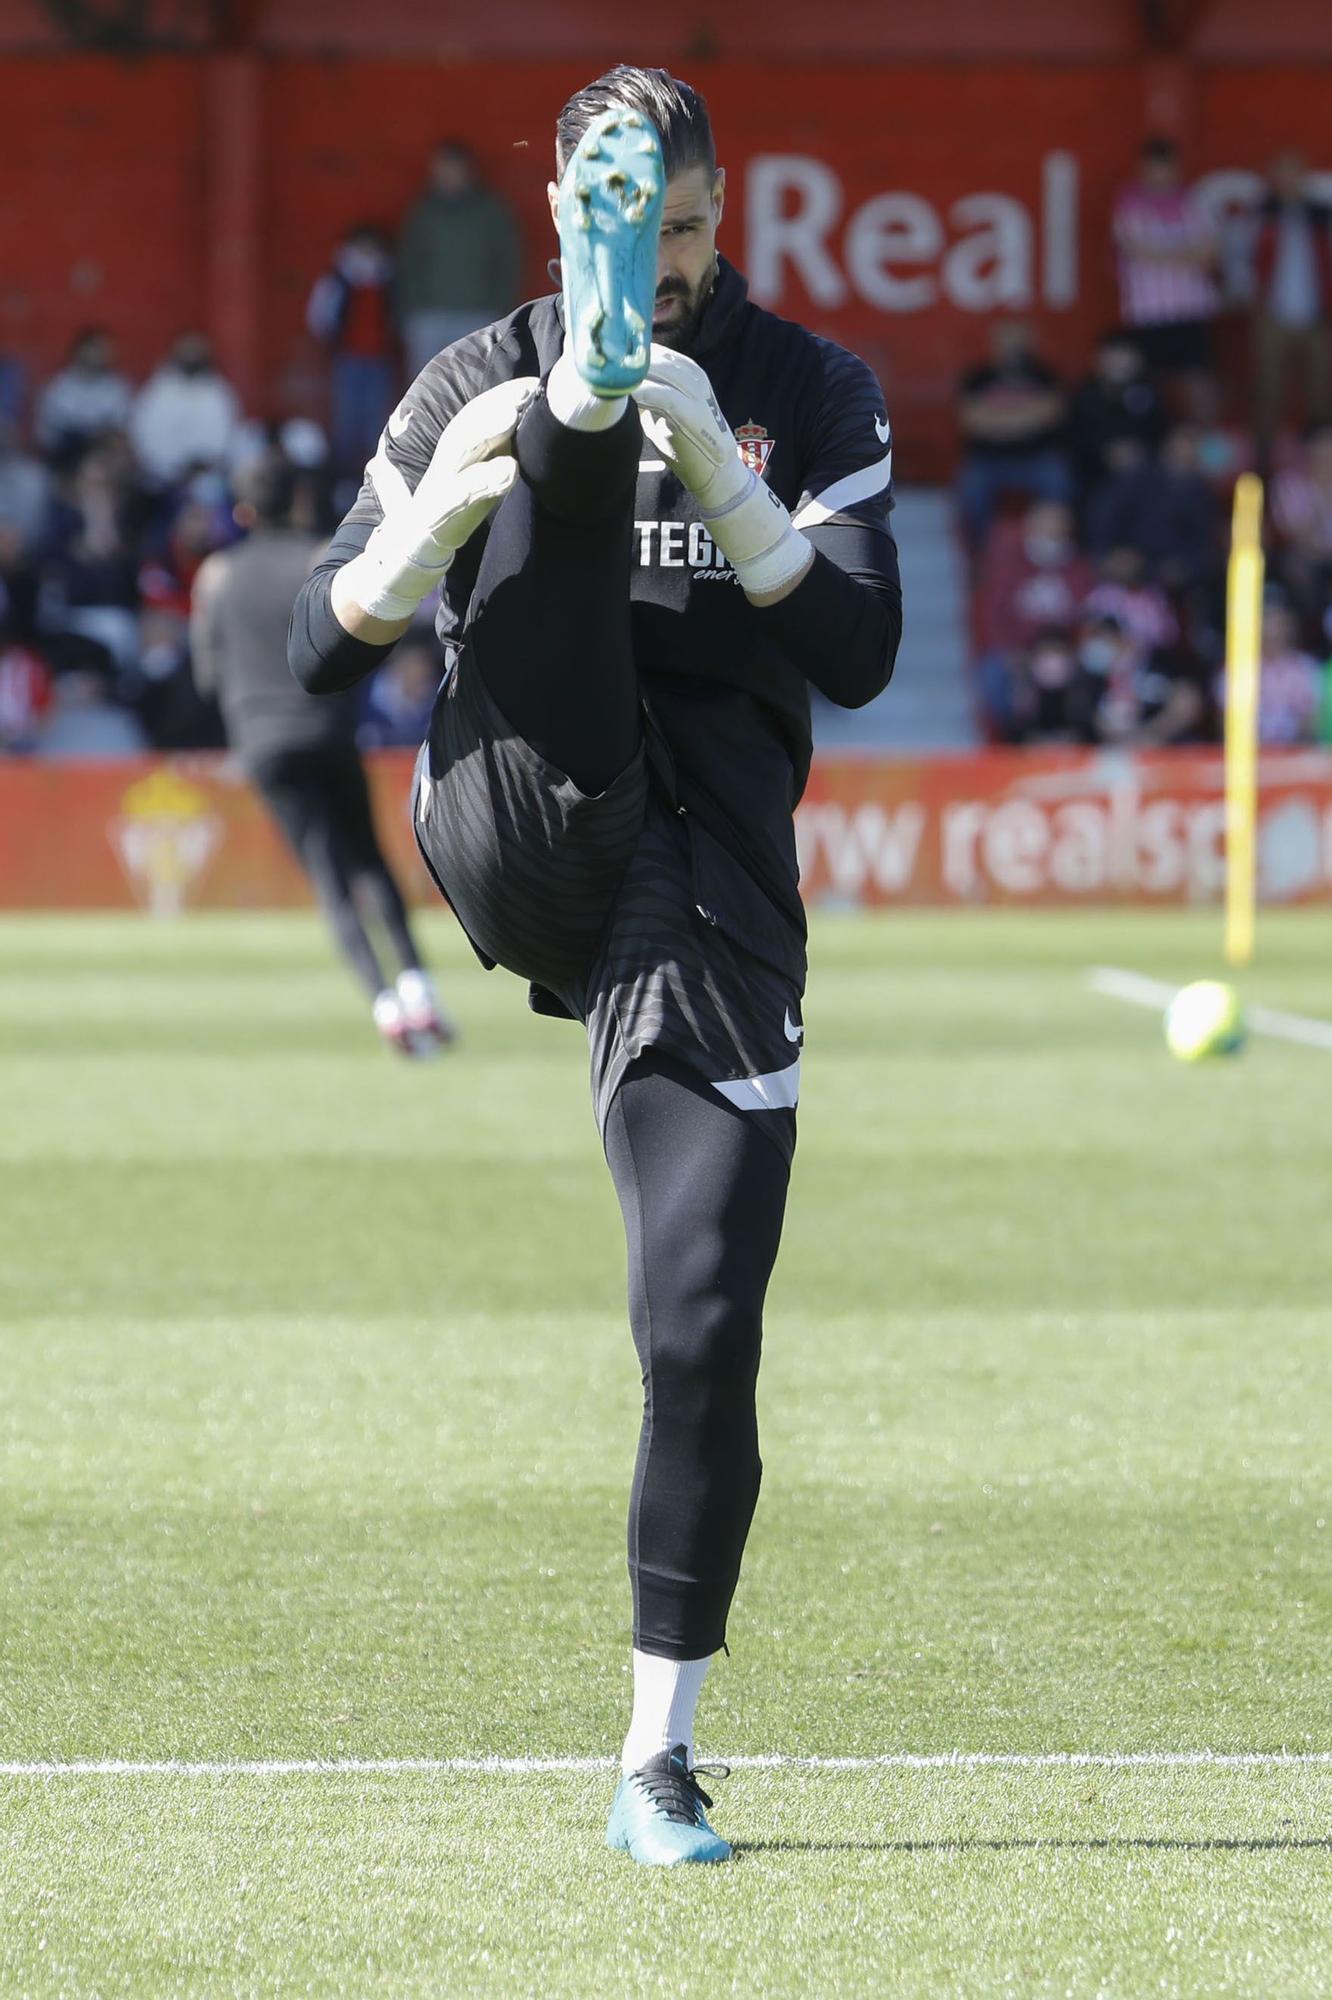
(389, 584)
(756, 534)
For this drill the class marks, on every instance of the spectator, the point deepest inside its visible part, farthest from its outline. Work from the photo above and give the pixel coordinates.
(399, 700)
(351, 309)
(168, 569)
(1116, 418)
(186, 416)
(25, 497)
(1168, 252)
(86, 721)
(1146, 696)
(459, 257)
(1164, 508)
(1126, 593)
(90, 590)
(1290, 684)
(1225, 448)
(1302, 523)
(25, 693)
(1052, 697)
(88, 398)
(1032, 581)
(13, 390)
(1011, 411)
(1292, 268)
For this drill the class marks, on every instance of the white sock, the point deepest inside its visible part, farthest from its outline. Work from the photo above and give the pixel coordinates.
(665, 1697)
(573, 403)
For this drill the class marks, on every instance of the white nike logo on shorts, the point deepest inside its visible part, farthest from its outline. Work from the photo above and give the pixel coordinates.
(882, 430)
(794, 1031)
(398, 422)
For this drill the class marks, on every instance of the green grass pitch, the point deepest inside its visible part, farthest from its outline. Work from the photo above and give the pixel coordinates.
(317, 1417)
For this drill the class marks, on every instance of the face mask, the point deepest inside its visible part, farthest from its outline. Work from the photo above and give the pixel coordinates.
(1045, 550)
(1098, 656)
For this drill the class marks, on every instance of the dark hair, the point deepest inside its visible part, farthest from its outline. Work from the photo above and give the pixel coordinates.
(87, 333)
(677, 110)
(1158, 147)
(457, 148)
(268, 486)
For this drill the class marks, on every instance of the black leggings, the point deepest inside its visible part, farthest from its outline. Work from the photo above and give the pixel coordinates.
(321, 801)
(703, 1193)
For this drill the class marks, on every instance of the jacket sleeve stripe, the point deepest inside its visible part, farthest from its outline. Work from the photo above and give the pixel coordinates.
(862, 485)
(391, 488)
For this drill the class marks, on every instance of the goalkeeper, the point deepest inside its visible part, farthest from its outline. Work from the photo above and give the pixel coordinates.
(658, 514)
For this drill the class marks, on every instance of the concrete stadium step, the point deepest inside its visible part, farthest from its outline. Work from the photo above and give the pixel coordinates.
(928, 706)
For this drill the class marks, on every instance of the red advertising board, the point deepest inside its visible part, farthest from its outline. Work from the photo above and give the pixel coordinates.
(1053, 828)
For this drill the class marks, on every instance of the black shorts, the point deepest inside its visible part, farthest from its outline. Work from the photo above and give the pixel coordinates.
(1175, 346)
(619, 909)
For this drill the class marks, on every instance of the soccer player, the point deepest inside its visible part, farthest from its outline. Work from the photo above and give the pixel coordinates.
(688, 503)
(301, 754)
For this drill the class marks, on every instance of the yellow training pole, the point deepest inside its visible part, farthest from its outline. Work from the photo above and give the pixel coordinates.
(1244, 617)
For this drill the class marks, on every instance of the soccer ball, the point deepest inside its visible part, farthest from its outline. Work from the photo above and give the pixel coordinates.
(1205, 1019)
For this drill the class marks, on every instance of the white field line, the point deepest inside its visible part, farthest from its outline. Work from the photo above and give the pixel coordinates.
(1143, 992)
(947, 1760)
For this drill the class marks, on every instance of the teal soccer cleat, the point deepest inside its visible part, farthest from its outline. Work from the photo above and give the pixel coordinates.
(610, 218)
(657, 1815)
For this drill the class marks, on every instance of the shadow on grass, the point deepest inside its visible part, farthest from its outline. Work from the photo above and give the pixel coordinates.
(965, 1845)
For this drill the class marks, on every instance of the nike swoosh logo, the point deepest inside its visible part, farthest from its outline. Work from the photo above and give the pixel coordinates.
(882, 431)
(398, 422)
(794, 1032)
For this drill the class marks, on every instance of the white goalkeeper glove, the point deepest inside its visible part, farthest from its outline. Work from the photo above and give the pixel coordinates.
(472, 469)
(746, 520)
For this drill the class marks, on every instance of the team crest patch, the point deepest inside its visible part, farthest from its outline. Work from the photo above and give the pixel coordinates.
(755, 446)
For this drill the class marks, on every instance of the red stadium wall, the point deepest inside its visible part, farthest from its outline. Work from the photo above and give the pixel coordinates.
(893, 206)
(1048, 828)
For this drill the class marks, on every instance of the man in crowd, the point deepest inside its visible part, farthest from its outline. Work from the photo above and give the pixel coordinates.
(606, 792)
(301, 753)
(1292, 269)
(1011, 411)
(186, 415)
(351, 310)
(1167, 508)
(1033, 579)
(1116, 417)
(1167, 250)
(459, 256)
(25, 501)
(88, 398)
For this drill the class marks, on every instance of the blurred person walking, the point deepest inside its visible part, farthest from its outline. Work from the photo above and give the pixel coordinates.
(352, 310)
(1168, 255)
(459, 257)
(1292, 267)
(300, 752)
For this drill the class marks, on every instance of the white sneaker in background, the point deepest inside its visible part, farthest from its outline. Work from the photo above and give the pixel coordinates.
(428, 1025)
(390, 1019)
